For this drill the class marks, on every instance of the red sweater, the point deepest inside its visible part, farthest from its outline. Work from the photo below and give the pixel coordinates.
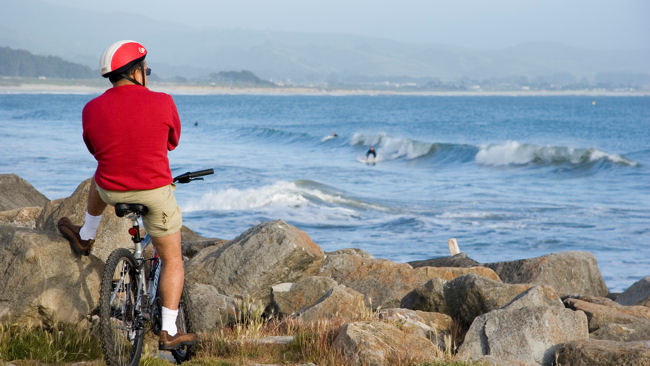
(129, 130)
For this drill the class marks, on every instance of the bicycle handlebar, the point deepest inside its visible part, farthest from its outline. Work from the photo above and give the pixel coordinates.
(190, 176)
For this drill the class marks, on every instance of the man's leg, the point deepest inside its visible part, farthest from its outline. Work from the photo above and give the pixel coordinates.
(95, 205)
(172, 274)
(82, 237)
(94, 210)
(171, 287)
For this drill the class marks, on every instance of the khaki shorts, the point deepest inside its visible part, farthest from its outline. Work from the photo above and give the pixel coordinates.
(164, 216)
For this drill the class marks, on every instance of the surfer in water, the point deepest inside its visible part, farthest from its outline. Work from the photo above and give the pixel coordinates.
(372, 152)
(329, 137)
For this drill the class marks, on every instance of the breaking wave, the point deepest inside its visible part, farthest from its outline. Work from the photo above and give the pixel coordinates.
(282, 195)
(511, 153)
(514, 153)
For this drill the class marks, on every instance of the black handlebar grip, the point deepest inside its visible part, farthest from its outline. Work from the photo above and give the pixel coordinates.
(189, 176)
(200, 173)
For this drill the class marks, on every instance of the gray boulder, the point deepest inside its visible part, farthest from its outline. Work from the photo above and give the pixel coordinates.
(111, 234)
(247, 266)
(637, 294)
(427, 297)
(529, 334)
(535, 296)
(609, 320)
(469, 296)
(604, 353)
(569, 273)
(385, 283)
(15, 192)
(209, 309)
(193, 243)
(339, 302)
(43, 281)
(436, 327)
(288, 298)
(458, 260)
(24, 217)
(379, 343)
(352, 251)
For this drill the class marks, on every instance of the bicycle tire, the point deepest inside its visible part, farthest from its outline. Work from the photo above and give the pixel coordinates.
(184, 325)
(121, 335)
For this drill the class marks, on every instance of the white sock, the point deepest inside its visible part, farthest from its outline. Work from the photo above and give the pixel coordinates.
(169, 321)
(89, 230)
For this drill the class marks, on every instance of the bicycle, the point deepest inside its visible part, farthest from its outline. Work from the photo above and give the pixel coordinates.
(129, 298)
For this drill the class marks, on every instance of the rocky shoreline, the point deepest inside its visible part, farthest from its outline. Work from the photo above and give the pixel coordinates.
(549, 310)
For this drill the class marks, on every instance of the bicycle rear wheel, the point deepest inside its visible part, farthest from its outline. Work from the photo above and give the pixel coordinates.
(121, 328)
(184, 325)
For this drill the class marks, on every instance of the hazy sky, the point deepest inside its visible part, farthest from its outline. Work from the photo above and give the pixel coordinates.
(597, 24)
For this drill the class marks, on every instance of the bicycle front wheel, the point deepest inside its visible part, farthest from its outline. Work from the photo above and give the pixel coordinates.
(121, 327)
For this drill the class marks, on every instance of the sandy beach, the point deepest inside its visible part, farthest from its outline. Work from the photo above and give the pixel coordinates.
(189, 89)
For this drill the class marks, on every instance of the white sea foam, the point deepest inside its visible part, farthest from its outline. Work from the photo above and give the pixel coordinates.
(281, 196)
(514, 153)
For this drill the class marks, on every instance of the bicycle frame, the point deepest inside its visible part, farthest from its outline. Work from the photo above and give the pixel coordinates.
(148, 284)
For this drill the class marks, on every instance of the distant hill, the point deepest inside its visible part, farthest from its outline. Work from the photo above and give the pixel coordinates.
(25, 64)
(242, 78)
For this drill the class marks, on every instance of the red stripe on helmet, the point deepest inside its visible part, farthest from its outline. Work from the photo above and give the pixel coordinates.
(126, 53)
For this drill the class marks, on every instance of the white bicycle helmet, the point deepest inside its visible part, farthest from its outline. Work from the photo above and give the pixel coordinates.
(119, 56)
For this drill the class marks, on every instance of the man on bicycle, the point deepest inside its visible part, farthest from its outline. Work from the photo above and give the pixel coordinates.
(129, 130)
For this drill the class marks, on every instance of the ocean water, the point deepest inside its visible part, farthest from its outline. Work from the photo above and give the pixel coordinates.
(509, 177)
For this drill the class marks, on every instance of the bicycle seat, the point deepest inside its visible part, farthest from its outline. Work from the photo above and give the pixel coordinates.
(123, 209)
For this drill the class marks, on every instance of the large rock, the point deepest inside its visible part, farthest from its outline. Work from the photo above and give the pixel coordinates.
(428, 297)
(604, 353)
(385, 283)
(458, 260)
(469, 296)
(15, 192)
(569, 273)
(535, 296)
(288, 298)
(379, 343)
(438, 321)
(21, 217)
(43, 281)
(210, 309)
(111, 234)
(247, 266)
(436, 327)
(609, 320)
(193, 243)
(528, 334)
(637, 294)
(339, 302)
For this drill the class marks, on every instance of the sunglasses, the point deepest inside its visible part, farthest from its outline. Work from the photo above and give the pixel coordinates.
(148, 72)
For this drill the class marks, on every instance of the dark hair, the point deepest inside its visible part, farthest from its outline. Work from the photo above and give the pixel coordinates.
(117, 75)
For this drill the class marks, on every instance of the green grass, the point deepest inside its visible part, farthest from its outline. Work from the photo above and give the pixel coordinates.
(56, 344)
(227, 346)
